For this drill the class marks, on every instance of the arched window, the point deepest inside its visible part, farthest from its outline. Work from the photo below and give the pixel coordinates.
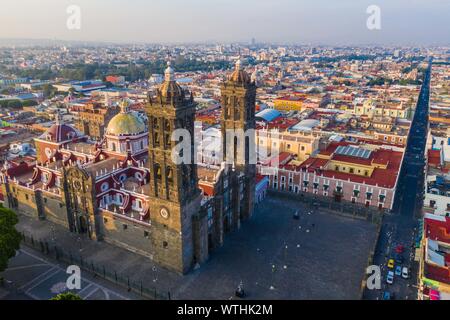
(158, 171)
(155, 123)
(169, 173)
(113, 146)
(167, 140)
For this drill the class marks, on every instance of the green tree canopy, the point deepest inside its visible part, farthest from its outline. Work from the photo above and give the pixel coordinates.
(66, 296)
(9, 236)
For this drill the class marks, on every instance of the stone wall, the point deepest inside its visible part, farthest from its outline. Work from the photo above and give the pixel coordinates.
(125, 233)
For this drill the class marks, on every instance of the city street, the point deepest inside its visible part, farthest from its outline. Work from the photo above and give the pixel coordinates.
(400, 228)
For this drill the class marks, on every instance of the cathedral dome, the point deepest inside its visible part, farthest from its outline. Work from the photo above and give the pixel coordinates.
(60, 132)
(125, 123)
(239, 75)
(170, 88)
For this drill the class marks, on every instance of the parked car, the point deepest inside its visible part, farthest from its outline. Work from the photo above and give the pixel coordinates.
(405, 273)
(398, 271)
(391, 264)
(400, 248)
(398, 258)
(390, 277)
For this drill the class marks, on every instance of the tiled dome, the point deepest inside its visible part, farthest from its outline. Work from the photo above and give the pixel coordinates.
(125, 123)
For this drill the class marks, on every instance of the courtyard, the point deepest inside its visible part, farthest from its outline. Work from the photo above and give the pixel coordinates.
(321, 255)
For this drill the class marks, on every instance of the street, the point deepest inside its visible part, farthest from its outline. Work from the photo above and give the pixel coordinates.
(400, 227)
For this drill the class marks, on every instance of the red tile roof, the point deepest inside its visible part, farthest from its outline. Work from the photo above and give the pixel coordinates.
(437, 229)
(382, 177)
(434, 158)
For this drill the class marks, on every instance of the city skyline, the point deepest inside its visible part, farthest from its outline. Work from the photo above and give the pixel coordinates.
(285, 21)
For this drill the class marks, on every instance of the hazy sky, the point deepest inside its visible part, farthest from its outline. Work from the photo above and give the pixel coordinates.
(295, 21)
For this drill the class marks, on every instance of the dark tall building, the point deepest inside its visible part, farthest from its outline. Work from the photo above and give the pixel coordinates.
(179, 235)
(238, 115)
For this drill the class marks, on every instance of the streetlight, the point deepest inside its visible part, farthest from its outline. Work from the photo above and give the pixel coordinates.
(80, 244)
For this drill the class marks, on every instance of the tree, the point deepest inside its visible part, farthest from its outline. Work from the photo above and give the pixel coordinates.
(66, 296)
(9, 236)
(14, 104)
(49, 91)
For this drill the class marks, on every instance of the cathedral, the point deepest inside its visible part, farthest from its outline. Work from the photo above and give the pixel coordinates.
(125, 189)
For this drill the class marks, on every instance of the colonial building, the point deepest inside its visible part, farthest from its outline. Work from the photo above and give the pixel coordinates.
(358, 172)
(126, 189)
(93, 119)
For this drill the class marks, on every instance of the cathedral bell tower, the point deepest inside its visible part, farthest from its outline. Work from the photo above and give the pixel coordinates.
(177, 233)
(238, 115)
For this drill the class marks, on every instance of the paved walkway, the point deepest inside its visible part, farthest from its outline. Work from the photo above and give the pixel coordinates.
(32, 276)
(320, 256)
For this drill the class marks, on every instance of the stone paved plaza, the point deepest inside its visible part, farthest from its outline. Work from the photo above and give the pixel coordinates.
(319, 256)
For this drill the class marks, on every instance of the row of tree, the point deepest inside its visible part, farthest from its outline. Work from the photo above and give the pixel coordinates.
(16, 103)
(131, 71)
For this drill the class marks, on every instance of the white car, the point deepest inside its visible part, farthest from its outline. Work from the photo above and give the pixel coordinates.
(405, 273)
(390, 277)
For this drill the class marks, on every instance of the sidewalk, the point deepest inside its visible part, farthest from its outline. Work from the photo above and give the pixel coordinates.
(126, 265)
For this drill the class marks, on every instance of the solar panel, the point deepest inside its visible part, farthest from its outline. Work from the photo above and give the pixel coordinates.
(353, 152)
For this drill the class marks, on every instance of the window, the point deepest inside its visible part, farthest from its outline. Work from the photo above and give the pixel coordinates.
(165, 244)
(26, 197)
(288, 146)
(104, 186)
(146, 234)
(158, 171)
(302, 148)
(156, 139)
(105, 220)
(119, 198)
(351, 170)
(124, 226)
(432, 203)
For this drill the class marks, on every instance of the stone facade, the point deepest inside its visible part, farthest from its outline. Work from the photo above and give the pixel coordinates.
(238, 116)
(125, 188)
(93, 120)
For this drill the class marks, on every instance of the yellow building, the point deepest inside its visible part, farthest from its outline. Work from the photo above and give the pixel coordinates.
(289, 103)
(393, 109)
(302, 144)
